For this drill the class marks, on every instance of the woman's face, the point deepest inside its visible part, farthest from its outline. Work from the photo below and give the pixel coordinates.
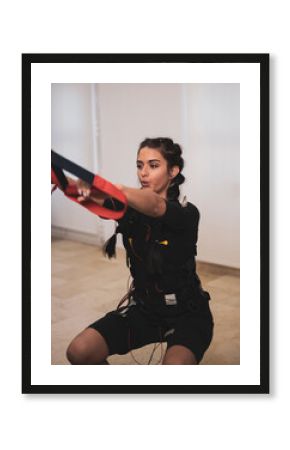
(153, 171)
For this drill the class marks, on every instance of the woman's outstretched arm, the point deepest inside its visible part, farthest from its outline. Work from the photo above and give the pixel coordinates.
(146, 201)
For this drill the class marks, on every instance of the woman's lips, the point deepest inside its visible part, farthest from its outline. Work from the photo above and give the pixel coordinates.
(145, 184)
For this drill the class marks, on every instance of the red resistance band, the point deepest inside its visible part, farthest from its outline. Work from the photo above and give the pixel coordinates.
(58, 178)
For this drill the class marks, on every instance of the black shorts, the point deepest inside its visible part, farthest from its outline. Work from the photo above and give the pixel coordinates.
(130, 328)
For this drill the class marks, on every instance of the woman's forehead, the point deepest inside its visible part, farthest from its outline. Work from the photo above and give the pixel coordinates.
(147, 154)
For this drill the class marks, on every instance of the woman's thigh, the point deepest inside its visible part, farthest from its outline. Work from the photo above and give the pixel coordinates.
(191, 335)
(178, 354)
(88, 347)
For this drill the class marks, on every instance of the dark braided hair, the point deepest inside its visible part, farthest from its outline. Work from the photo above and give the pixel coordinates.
(172, 153)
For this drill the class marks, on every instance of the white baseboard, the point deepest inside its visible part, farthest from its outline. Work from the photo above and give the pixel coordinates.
(74, 235)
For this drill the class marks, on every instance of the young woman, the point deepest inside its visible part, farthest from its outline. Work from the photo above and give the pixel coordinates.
(166, 302)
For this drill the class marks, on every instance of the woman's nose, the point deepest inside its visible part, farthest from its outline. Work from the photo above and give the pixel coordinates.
(144, 171)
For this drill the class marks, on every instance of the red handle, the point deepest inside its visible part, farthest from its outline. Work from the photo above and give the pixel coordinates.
(103, 186)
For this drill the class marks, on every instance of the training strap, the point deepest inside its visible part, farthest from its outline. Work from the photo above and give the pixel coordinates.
(58, 178)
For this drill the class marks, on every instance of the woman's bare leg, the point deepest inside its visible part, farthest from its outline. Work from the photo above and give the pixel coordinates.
(178, 354)
(89, 347)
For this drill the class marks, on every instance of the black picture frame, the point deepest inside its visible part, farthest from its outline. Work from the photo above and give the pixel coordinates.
(232, 58)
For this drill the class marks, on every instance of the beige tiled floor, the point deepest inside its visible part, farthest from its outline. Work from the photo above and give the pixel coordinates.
(85, 286)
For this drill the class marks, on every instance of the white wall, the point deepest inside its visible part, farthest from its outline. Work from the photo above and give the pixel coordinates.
(74, 135)
(203, 118)
(212, 154)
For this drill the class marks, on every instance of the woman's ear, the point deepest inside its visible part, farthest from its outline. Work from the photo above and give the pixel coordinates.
(174, 171)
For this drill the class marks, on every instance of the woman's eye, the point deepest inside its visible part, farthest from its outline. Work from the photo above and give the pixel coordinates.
(152, 166)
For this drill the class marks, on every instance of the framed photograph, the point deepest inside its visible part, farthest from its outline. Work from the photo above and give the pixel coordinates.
(195, 292)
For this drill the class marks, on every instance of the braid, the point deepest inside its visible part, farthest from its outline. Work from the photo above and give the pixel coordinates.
(172, 153)
(173, 192)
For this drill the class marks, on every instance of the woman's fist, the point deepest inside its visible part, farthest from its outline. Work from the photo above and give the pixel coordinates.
(84, 190)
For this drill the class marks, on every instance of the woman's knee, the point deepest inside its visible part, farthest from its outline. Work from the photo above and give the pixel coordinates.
(89, 347)
(179, 355)
(77, 351)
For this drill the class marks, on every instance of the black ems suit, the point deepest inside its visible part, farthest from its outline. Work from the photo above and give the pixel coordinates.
(167, 302)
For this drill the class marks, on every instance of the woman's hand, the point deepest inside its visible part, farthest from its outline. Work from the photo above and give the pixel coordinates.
(84, 190)
(87, 193)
